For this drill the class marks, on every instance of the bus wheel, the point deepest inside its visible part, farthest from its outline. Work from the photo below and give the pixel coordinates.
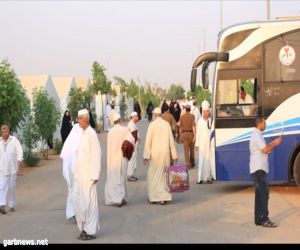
(297, 169)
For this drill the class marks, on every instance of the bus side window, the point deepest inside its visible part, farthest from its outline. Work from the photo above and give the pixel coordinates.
(247, 98)
(237, 98)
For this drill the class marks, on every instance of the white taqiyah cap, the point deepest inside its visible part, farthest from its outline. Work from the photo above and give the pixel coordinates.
(133, 114)
(83, 112)
(157, 111)
(116, 117)
(205, 105)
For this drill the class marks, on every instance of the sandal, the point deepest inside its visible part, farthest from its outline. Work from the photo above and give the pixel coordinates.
(163, 203)
(269, 224)
(131, 178)
(82, 234)
(151, 202)
(88, 237)
(118, 204)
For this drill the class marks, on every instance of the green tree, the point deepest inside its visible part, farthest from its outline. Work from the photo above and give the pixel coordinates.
(148, 95)
(123, 85)
(133, 89)
(101, 84)
(14, 103)
(100, 81)
(248, 86)
(30, 138)
(200, 94)
(123, 107)
(175, 92)
(46, 117)
(123, 89)
(161, 92)
(114, 93)
(79, 99)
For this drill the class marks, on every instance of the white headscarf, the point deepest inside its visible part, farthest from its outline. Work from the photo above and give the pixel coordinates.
(205, 106)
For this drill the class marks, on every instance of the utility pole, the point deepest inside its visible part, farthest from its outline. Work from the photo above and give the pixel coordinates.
(204, 39)
(221, 14)
(268, 10)
(138, 80)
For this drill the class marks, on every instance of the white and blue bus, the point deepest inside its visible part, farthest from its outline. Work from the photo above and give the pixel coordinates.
(263, 58)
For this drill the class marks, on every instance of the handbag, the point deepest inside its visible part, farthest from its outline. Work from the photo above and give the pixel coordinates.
(177, 178)
(127, 149)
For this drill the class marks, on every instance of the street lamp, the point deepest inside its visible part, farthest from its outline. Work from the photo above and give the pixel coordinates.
(221, 13)
(204, 39)
(138, 79)
(268, 10)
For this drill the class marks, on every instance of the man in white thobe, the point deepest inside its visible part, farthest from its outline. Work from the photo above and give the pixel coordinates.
(115, 186)
(196, 112)
(69, 155)
(111, 116)
(106, 122)
(245, 98)
(159, 145)
(86, 175)
(134, 131)
(191, 102)
(11, 156)
(203, 143)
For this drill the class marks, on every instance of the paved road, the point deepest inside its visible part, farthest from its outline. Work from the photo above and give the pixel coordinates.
(218, 213)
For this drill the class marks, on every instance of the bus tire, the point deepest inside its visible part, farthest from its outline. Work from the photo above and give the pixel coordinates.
(297, 169)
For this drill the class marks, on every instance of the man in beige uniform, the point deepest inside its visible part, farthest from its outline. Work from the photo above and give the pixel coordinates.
(187, 132)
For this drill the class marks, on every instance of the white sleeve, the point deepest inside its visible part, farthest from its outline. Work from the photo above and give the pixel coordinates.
(197, 142)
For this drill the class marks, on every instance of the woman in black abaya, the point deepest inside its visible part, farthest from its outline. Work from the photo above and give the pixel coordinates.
(66, 126)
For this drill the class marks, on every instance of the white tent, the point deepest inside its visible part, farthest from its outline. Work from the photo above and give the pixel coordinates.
(45, 82)
(63, 85)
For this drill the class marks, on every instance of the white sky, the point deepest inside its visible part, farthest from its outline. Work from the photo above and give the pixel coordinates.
(156, 41)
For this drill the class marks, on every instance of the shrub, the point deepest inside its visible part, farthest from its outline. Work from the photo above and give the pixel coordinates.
(30, 160)
(57, 146)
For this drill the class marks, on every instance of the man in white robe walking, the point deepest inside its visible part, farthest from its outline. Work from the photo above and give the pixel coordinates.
(115, 186)
(69, 155)
(134, 131)
(159, 145)
(106, 122)
(203, 143)
(86, 175)
(196, 112)
(11, 156)
(111, 115)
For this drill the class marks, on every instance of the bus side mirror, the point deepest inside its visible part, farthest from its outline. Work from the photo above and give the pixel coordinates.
(193, 79)
(205, 78)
